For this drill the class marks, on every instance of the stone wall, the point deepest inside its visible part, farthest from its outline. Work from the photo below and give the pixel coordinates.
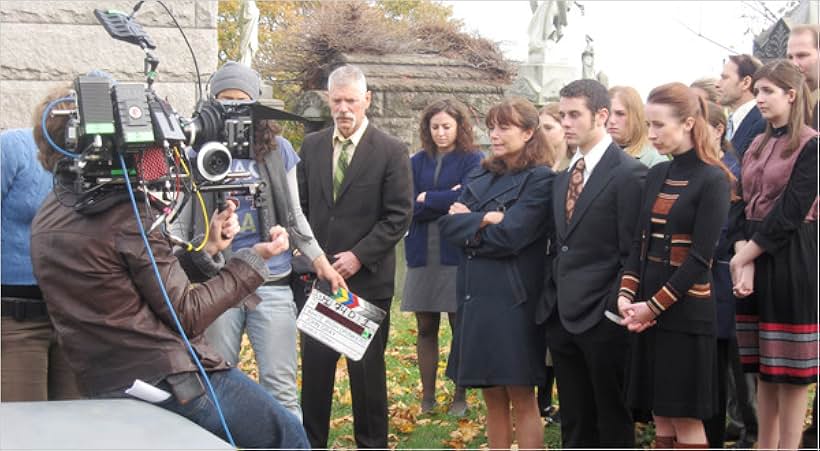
(45, 44)
(403, 85)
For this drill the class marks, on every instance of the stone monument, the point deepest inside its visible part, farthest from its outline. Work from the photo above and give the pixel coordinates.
(771, 43)
(588, 64)
(545, 72)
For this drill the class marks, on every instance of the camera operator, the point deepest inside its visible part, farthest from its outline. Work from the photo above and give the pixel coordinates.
(110, 316)
(271, 326)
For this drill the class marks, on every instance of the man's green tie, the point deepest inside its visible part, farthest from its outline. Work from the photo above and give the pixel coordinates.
(341, 167)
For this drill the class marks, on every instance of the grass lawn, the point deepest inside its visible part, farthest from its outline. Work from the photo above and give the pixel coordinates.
(409, 429)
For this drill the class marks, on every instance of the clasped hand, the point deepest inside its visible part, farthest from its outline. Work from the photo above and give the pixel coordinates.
(743, 276)
(637, 316)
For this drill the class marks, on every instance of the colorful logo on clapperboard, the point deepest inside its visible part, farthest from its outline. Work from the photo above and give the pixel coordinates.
(346, 298)
(351, 301)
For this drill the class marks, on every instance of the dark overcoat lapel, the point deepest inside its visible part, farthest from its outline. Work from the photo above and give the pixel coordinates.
(488, 187)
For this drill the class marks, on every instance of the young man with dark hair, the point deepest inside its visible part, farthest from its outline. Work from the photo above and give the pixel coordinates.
(735, 87)
(595, 205)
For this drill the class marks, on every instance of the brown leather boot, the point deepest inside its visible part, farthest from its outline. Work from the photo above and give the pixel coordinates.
(679, 445)
(662, 442)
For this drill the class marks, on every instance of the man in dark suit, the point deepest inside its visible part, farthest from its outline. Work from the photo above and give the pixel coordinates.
(744, 124)
(595, 207)
(735, 88)
(356, 187)
(803, 50)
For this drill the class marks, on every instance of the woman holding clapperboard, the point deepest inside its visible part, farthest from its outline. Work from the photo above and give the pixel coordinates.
(501, 225)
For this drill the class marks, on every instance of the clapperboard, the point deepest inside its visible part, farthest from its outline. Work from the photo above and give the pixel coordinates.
(343, 321)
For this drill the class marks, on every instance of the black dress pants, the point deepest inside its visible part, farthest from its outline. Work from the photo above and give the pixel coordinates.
(590, 369)
(368, 387)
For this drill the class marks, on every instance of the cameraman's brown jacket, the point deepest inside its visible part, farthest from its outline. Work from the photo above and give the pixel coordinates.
(106, 305)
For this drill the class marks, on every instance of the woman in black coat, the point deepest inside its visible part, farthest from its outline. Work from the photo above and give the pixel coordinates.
(501, 224)
(667, 283)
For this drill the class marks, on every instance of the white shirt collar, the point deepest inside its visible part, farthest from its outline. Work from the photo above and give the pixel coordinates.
(592, 157)
(740, 113)
(355, 137)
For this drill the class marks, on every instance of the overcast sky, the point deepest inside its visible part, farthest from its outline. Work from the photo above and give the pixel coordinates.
(637, 43)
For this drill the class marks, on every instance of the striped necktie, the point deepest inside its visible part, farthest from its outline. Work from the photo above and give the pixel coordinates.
(341, 167)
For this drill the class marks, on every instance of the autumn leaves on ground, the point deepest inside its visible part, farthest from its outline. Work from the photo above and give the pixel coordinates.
(409, 429)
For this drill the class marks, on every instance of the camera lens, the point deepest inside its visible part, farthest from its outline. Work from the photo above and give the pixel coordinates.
(216, 163)
(213, 161)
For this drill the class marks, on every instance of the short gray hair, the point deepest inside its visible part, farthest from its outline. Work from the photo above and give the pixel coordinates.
(347, 75)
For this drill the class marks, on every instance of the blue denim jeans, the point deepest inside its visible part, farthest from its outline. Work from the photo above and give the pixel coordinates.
(271, 328)
(255, 419)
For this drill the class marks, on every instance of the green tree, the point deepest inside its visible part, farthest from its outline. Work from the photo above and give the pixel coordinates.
(276, 20)
(416, 11)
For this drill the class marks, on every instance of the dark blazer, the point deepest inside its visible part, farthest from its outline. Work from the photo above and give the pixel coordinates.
(753, 124)
(454, 169)
(373, 209)
(591, 250)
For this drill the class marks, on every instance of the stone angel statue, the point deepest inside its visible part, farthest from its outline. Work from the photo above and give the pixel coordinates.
(549, 17)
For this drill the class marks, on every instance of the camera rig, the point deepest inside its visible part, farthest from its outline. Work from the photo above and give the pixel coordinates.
(166, 154)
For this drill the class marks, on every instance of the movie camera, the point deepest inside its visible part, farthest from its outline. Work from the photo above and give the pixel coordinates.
(111, 118)
(121, 133)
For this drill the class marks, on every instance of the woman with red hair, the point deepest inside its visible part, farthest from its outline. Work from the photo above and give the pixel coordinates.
(665, 290)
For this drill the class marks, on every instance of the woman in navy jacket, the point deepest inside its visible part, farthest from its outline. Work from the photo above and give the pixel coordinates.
(502, 225)
(439, 170)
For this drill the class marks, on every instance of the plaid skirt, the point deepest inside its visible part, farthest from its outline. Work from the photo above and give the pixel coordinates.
(777, 327)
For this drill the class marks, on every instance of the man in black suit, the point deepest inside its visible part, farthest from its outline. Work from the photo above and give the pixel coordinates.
(735, 88)
(356, 187)
(803, 50)
(744, 124)
(595, 206)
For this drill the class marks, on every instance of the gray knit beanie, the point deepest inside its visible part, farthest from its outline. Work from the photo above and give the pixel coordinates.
(233, 75)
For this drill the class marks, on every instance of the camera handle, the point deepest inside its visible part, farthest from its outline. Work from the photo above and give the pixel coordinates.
(257, 190)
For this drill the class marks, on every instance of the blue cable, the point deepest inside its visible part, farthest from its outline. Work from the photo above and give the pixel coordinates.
(45, 130)
(170, 306)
